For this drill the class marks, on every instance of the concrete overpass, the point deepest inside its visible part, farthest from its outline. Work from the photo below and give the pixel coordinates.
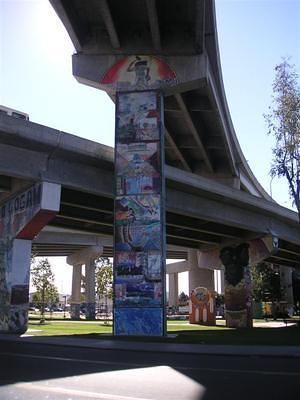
(199, 134)
(202, 214)
(213, 199)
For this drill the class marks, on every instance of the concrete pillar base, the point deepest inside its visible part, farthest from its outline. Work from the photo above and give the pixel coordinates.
(173, 290)
(14, 285)
(90, 311)
(90, 289)
(199, 277)
(75, 311)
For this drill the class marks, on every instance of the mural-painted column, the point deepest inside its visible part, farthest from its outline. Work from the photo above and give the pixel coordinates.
(21, 219)
(139, 249)
(238, 296)
(139, 263)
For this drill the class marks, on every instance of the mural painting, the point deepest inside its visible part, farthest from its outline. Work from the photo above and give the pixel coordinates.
(138, 117)
(137, 223)
(138, 279)
(139, 239)
(139, 321)
(202, 307)
(137, 166)
(238, 299)
(138, 73)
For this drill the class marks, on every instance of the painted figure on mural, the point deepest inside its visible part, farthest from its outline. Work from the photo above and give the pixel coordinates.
(125, 217)
(202, 307)
(138, 73)
(238, 285)
(138, 117)
(142, 72)
(137, 223)
(234, 261)
(138, 168)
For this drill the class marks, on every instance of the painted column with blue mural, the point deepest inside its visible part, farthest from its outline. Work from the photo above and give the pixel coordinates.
(139, 236)
(139, 262)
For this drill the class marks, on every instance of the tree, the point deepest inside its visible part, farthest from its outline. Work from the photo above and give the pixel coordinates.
(104, 281)
(266, 283)
(104, 277)
(283, 123)
(183, 299)
(43, 281)
(51, 296)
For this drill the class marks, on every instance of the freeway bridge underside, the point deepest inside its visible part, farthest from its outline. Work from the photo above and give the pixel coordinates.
(201, 213)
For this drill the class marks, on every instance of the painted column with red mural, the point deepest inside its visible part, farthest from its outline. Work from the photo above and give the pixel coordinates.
(139, 238)
(21, 219)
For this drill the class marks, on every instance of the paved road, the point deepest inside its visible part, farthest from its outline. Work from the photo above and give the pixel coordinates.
(40, 372)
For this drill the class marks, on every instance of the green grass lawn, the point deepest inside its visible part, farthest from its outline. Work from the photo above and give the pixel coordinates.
(58, 328)
(181, 332)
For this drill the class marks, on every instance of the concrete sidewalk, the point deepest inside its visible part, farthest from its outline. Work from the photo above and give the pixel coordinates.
(108, 344)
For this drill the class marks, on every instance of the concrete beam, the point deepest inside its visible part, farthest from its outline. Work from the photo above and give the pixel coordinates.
(85, 255)
(5, 183)
(191, 71)
(176, 150)
(154, 26)
(199, 25)
(48, 141)
(193, 130)
(61, 12)
(109, 24)
(72, 238)
(79, 163)
(206, 200)
(177, 267)
(69, 173)
(229, 214)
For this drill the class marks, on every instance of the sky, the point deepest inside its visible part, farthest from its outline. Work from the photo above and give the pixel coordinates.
(36, 78)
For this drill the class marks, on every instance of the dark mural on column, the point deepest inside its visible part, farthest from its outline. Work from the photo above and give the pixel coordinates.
(238, 294)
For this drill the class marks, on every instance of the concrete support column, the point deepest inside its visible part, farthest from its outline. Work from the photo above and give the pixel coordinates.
(286, 282)
(21, 219)
(76, 291)
(222, 281)
(14, 285)
(173, 290)
(199, 276)
(77, 259)
(90, 290)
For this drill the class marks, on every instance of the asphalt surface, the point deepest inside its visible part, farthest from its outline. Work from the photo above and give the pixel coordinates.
(32, 369)
(106, 344)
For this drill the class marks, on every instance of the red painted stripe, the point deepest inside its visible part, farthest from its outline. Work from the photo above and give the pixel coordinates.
(36, 224)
